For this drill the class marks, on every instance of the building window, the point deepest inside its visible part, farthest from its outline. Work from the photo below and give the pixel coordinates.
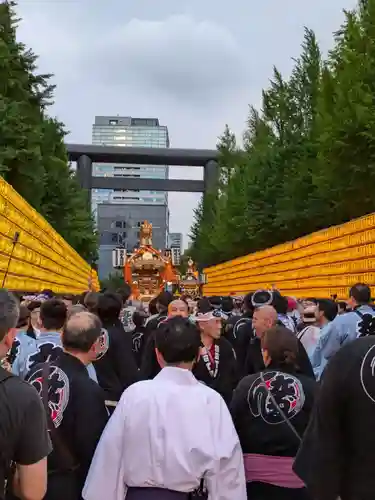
(114, 238)
(119, 224)
(113, 122)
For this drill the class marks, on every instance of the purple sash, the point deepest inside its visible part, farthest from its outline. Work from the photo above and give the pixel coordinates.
(271, 470)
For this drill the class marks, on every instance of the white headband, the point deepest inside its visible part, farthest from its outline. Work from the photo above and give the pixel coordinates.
(208, 316)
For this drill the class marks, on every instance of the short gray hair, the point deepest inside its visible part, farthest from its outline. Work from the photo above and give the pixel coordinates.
(9, 312)
(81, 331)
(77, 308)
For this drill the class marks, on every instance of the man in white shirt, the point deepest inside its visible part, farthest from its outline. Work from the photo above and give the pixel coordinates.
(169, 433)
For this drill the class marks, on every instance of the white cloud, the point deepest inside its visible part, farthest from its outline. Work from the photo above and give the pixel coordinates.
(179, 57)
(195, 65)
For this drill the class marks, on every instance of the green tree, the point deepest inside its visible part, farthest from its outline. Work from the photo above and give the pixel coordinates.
(347, 119)
(309, 155)
(114, 281)
(33, 156)
(20, 112)
(68, 212)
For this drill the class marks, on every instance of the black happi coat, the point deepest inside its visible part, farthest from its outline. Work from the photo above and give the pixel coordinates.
(149, 363)
(261, 428)
(243, 333)
(254, 359)
(154, 322)
(337, 455)
(116, 367)
(259, 425)
(227, 377)
(78, 412)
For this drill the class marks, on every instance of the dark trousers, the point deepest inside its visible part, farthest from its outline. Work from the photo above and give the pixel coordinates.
(263, 491)
(155, 494)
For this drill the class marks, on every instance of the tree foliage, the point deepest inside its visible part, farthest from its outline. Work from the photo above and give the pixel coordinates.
(308, 156)
(33, 157)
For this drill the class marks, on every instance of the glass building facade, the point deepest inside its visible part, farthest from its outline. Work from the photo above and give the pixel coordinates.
(129, 132)
(119, 213)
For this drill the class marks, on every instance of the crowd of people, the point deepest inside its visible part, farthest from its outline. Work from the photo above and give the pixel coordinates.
(262, 397)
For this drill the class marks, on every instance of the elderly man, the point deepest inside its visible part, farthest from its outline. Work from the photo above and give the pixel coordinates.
(264, 318)
(178, 308)
(76, 411)
(217, 365)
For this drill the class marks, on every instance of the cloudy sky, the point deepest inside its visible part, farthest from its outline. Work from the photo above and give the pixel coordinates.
(194, 64)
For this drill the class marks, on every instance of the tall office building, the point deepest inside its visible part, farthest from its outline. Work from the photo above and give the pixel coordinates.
(175, 244)
(119, 213)
(175, 240)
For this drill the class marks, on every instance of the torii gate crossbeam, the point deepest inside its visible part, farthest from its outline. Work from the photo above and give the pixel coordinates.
(86, 155)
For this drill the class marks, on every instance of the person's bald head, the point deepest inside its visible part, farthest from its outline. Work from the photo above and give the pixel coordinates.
(81, 332)
(178, 308)
(264, 317)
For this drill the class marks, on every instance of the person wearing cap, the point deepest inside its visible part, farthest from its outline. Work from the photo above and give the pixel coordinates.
(310, 333)
(217, 365)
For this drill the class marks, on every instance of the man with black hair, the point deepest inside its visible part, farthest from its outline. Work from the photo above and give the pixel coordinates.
(68, 300)
(75, 407)
(342, 307)
(115, 365)
(162, 302)
(47, 346)
(360, 322)
(149, 365)
(280, 303)
(24, 438)
(170, 434)
(91, 301)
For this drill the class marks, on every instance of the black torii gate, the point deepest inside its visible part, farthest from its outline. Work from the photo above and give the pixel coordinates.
(86, 155)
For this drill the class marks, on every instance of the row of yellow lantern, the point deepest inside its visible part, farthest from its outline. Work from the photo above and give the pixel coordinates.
(339, 293)
(21, 216)
(329, 260)
(348, 247)
(304, 268)
(361, 225)
(286, 282)
(40, 258)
